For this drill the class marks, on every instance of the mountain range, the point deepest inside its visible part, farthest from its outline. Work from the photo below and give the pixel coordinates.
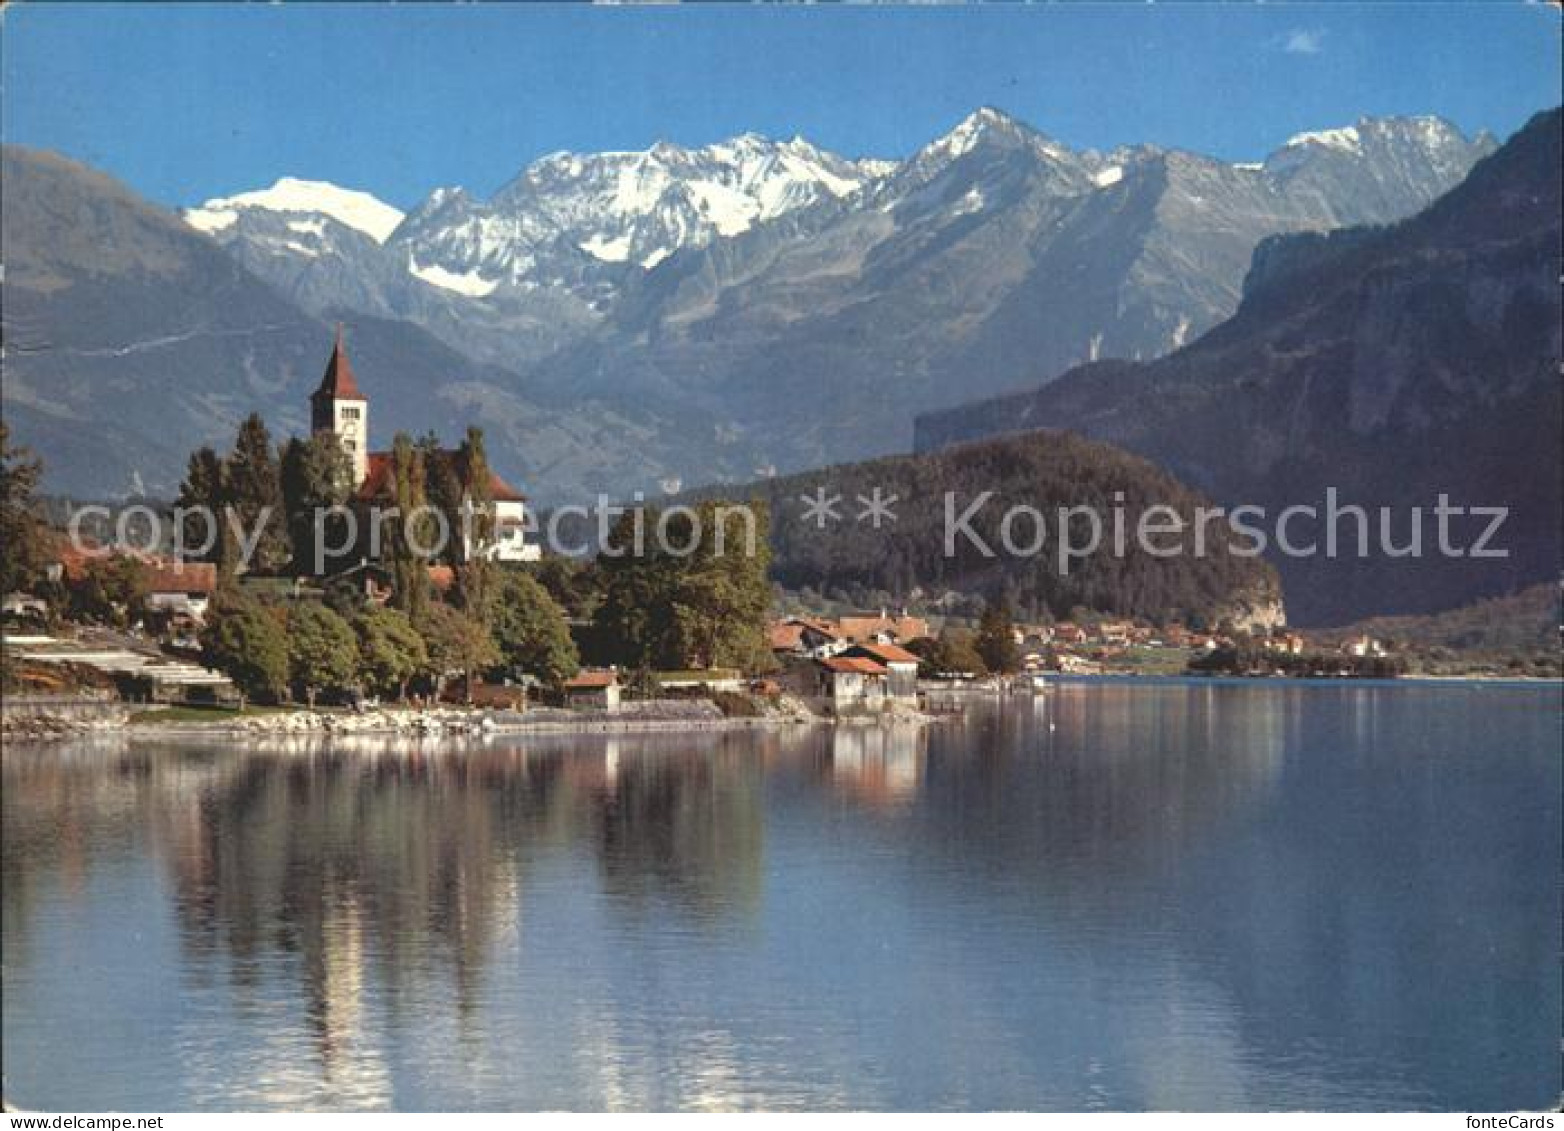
(622, 321)
(799, 307)
(1393, 364)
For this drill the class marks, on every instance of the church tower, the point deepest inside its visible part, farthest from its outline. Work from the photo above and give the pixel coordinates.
(338, 406)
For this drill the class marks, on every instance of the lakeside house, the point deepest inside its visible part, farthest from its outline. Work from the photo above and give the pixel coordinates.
(592, 688)
(179, 588)
(900, 667)
(864, 677)
(818, 637)
(848, 683)
(339, 406)
(1364, 646)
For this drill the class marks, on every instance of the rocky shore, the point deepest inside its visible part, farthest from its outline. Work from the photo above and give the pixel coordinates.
(390, 721)
(457, 721)
(44, 727)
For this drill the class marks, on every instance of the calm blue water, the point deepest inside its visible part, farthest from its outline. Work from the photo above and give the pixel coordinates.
(1148, 895)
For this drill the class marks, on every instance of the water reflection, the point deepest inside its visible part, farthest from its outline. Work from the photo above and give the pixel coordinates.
(1112, 896)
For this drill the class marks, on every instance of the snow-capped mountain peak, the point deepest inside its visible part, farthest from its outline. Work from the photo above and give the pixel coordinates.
(1418, 150)
(637, 207)
(358, 210)
(985, 126)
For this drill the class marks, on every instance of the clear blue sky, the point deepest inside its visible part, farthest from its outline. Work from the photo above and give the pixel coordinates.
(191, 102)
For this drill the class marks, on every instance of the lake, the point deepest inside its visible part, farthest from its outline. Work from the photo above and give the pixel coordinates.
(1118, 895)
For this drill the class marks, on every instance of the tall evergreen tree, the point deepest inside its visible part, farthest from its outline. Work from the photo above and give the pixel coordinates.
(996, 642)
(316, 475)
(22, 533)
(634, 622)
(410, 534)
(442, 490)
(204, 493)
(474, 569)
(255, 488)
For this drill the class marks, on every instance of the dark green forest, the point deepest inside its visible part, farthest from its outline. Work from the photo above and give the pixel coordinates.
(904, 561)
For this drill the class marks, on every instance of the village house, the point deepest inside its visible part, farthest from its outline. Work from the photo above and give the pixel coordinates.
(1069, 633)
(23, 605)
(881, 629)
(1363, 646)
(170, 586)
(849, 683)
(1034, 637)
(1115, 632)
(179, 588)
(1288, 643)
(373, 580)
(340, 407)
(901, 668)
(592, 688)
(803, 636)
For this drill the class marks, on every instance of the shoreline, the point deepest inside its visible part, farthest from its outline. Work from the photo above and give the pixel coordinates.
(439, 724)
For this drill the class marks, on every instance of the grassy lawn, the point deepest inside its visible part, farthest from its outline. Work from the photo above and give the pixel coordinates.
(697, 675)
(1150, 661)
(200, 714)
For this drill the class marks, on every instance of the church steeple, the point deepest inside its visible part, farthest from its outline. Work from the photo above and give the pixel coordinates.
(339, 407)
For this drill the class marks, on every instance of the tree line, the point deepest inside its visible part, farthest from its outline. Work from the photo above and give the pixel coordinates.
(280, 650)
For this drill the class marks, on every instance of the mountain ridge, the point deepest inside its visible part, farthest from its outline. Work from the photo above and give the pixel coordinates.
(1358, 360)
(813, 335)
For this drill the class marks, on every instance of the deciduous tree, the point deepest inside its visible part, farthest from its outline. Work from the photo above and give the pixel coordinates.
(530, 631)
(322, 651)
(456, 644)
(111, 589)
(249, 645)
(390, 650)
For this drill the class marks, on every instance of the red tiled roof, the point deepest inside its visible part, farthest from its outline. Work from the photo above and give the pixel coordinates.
(888, 653)
(380, 480)
(852, 664)
(859, 629)
(180, 577)
(338, 381)
(73, 559)
(785, 637)
(161, 574)
(824, 627)
(591, 680)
